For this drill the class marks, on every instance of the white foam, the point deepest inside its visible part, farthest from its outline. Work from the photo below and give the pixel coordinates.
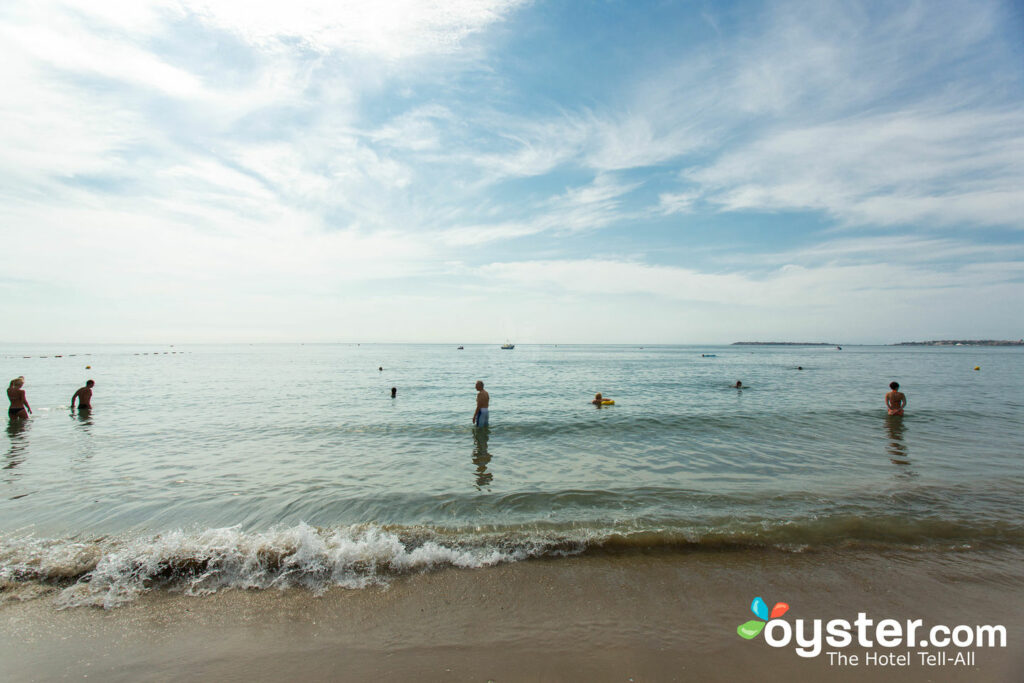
(111, 572)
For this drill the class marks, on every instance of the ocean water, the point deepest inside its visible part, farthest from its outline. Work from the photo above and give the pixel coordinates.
(203, 467)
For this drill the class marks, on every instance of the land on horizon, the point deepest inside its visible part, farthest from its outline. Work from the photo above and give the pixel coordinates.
(963, 342)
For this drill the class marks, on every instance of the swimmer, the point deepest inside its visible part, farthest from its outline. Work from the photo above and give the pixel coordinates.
(799, 367)
(20, 408)
(895, 401)
(738, 385)
(83, 396)
(482, 416)
(394, 391)
(598, 399)
(380, 369)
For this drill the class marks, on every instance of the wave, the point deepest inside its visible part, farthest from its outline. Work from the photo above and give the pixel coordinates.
(110, 571)
(546, 419)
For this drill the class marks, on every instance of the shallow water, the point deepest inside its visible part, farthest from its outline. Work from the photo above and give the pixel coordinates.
(208, 456)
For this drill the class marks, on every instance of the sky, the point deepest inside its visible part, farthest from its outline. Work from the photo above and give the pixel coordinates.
(691, 172)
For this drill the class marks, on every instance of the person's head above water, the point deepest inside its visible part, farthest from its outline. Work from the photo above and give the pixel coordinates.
(479, 385)
(598, 396)
(394, 390)
(738, 384)
(17, 382)
(894, 386)
(89, 383)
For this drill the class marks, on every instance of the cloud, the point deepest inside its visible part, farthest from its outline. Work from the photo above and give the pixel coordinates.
(630, 301)
(814, 107)
(938, 167)
(898, 249)
(787, 286)
(578, 209)
(295, 157)
(416, 130)
(677, 202)
(89, 54)
(388, 29)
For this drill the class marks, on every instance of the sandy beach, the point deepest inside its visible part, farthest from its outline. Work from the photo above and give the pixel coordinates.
(667, 616)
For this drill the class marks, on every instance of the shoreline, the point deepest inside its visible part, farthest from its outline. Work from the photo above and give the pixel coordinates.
(639, 615)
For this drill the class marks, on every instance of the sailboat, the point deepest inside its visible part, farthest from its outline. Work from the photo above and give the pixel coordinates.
(508, 346)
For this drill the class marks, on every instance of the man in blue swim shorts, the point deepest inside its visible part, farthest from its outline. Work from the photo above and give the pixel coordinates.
(481, 418)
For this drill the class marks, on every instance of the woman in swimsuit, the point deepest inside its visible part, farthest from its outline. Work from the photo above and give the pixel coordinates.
(16, 395)
(895, 401)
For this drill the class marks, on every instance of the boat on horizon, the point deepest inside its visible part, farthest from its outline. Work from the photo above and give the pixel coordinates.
(508, 346)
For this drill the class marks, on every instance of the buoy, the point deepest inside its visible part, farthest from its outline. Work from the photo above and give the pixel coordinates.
(88, 367)
(977, 367)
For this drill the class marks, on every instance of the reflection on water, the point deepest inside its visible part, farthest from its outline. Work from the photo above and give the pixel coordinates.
(898, 452)
(84, 417)
(17, 433)
(481, 457)
(83, 421)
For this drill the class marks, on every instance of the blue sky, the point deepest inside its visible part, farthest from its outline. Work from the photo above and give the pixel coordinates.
(471, 170)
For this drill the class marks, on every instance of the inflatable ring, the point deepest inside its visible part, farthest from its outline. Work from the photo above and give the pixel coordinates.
(607, 402)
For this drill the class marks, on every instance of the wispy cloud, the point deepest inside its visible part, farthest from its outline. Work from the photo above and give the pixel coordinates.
(941, 167)
(822, 108)
(296, 158)
(827, 302)
(389, 29)
(677, 202)
(582, 208)
(894, 249)
(785, 287)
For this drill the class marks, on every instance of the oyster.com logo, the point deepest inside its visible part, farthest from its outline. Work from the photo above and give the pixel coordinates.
(760, 609)
(900, 640)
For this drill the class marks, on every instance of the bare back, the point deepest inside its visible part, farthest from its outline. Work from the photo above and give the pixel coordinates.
(84, 396)
(17, 397)
(895, 400)
(483, 399)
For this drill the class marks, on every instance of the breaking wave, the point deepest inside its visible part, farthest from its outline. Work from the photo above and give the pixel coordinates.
(110, 571)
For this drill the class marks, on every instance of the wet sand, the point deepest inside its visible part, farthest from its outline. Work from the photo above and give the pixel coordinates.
(668, 616)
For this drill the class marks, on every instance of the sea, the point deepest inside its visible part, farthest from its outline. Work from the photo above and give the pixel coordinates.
(260, 466)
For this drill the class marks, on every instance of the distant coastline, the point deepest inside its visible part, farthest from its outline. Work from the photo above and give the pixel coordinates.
(783, 344)
(963, 342)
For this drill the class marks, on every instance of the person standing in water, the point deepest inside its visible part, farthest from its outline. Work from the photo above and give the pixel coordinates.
(83, 396)
(482, 416)
(895, 401)
(20, 408)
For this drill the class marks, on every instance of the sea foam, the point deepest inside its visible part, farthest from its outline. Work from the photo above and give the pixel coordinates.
(110, 572)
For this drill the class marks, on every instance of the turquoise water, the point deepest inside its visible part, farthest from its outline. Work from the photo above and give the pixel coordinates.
(218, 456)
